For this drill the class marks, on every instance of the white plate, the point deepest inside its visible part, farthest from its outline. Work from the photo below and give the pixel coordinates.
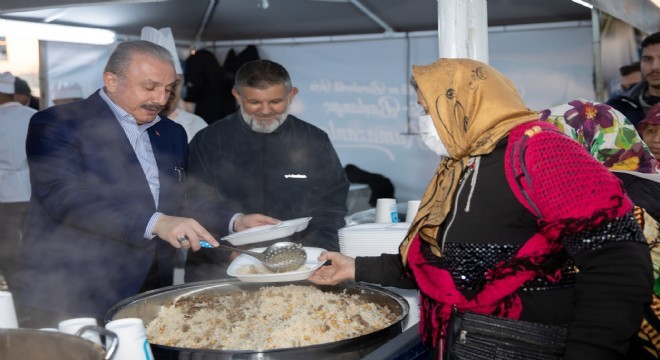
(300, 223)
(242, 260)
(267, 232)
(376, 227)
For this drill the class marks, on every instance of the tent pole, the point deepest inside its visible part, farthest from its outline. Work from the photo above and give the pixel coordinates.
(463, 29)
(205, 20)
(599, 80)
(478, 31)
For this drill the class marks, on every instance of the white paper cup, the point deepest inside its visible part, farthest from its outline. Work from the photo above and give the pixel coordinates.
(71, 326)
(386, 211)
(133, 343)
(411, 212)
(8, 319)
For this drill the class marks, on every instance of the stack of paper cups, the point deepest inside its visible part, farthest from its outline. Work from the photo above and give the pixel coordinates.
(411, 212)
(133, 343)
(386, 211)
(8, 319)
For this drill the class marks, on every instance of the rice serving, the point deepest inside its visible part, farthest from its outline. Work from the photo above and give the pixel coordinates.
(272, 317)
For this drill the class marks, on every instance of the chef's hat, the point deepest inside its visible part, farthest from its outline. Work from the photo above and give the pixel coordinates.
(66, 90)
(164, 38)
(7, 83)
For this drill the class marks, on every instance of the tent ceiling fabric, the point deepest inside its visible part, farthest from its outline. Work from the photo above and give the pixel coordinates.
(267, 19)
(642, 14)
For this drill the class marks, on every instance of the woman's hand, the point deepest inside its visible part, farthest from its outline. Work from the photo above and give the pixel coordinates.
(341, 269)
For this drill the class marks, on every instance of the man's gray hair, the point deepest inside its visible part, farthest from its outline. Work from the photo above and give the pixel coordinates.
(261, 74)
(121, 58)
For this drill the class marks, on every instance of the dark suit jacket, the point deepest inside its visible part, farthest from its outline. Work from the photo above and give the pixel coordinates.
(84, 248)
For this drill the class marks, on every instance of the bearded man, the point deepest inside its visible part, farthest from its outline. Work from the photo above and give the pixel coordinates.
(636, 102)
(263, 159)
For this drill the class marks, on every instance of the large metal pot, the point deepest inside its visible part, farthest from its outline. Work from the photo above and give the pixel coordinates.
(147, 305)
(30, 344)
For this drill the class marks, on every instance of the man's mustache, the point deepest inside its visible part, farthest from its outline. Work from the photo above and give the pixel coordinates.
(153, 107)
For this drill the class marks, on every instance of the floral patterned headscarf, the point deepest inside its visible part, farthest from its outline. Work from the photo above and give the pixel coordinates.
(606, 134)
(473, 106)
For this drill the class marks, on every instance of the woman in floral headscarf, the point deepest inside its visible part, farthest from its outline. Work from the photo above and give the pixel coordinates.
(612, 140)
(514, 207)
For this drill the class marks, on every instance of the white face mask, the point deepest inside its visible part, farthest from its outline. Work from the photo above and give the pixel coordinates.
(430, 136)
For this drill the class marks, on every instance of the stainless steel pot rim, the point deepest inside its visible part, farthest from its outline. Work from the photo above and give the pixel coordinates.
(202, 286)
(52, 335)
(37, 332)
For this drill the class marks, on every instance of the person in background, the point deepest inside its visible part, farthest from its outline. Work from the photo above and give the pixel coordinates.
(206, 86)
(107, 178)
(637, 101)
(191, 122)
(14, 174)
(649, 129)
(65, 92)
(262, 159)
(612, 140)
(514, 208)
(631, 75)
(23, 94)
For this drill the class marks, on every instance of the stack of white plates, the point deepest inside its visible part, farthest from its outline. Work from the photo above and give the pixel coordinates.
(412, 297)
(372, 239)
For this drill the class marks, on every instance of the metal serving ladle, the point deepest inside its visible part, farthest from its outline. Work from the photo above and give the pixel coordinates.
(279, 257)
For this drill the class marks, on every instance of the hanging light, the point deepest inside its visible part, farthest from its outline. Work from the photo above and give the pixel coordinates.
(52, 32)
(585, 4)
(56, 15)
(263, 4)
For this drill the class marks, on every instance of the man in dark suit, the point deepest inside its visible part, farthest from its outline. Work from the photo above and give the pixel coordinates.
(107, 183)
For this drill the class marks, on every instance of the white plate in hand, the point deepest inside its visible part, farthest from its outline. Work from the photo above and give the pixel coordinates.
(310, 265)
(268, 232)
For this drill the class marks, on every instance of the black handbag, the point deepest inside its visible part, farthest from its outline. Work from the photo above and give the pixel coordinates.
(472, 336)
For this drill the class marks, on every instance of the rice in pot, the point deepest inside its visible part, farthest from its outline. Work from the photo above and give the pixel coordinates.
(272, 317)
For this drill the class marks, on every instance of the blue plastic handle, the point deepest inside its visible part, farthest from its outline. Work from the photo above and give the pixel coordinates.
(205, 244)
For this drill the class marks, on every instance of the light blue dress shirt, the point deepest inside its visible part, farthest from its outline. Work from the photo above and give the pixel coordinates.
(139, 138)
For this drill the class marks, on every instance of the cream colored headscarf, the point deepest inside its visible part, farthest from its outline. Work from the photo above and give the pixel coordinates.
(473, 107)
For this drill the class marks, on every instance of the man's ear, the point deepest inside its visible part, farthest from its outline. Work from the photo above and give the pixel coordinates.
(110, 81)
(237, 96)
(293, 93)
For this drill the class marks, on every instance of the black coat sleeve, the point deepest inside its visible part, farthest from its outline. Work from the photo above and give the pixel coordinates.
(643, 192)
(386, 270)
(612, 289)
